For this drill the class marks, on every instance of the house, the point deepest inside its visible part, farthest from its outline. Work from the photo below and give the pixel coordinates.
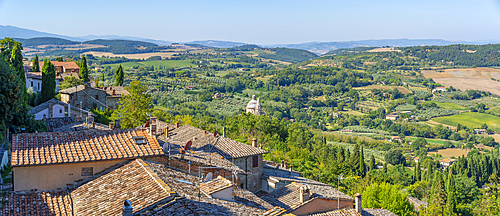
(393, 117)
(254, 107)
(416, 159)
(446, 162)
(397, 138)
(56, 159)
(88, 97)
(217, 95)
(63, 67)
(335, 115)
(113, 96)
(441, 89)
(34, 81)
(480, 131)
(54, 108)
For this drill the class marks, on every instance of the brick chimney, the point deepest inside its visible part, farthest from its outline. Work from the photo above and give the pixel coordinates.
(357, 204)
(305, 193)
(224, 131)
(111, 125)
(152, 126)
(177, 125)
(51, 104)
(254, 142)
(117, 124)
(127, 208)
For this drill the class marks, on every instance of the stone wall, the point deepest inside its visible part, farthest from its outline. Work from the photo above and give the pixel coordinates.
(87, 98)
(251, 181)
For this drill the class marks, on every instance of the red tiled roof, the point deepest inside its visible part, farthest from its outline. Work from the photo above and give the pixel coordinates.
(66, 65)
(71, 147)
(134, 181)
(36, 203)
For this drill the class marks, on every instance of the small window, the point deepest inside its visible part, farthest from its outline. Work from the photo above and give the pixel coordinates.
(139, 140)
(60, 110)
(255, 161)
(87, 171)
(31, 83)
(38, 86)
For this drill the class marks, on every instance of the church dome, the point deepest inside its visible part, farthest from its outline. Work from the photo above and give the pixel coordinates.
(252, 103)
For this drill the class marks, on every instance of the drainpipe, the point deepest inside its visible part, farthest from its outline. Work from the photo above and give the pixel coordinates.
(246, 170)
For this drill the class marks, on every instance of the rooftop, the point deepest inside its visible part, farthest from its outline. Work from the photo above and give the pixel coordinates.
(36, 203)
(67, 65)
(54, 101)
(76, 89)
(31, 149)
(288, 197)
(216, 185)
(352, 212)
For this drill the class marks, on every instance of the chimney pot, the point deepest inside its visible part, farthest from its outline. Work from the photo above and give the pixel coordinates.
(127, 208)
(117, 124)
(254, 142)
(282, 164)
(358, 203)
(111, 125)
(177, 125)
(224, 131)
(286, 165)
(166, 132)
(113, 92)
(304, 193)
(152, 125)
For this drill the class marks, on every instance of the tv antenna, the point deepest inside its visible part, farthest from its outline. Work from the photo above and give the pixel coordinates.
(339, 179)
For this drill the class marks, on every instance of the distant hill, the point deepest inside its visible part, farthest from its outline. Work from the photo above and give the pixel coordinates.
(289, 55)
(349, 50)
(16, 32)
(218, 44)
(111, 37)
(120, 43)
(45, 41)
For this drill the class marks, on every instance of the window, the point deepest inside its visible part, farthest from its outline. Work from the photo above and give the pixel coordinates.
(38, 86)
(60, 110)
(255, 161)
(140, 140)
(87, 171)
(31, 83)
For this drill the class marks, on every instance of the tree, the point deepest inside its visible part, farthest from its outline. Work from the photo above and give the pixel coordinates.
(387, 196)
(36, 65)
(372, 162)
(419, 143)
(48, 81)
(10, 90)
(437, 204)
(418, 175)
(451, 200)
(69, 82)
(17, 62)
(362, 166)
(84, 71)
(394, 157)
(384, 168)
(119, 76)
(135, 107)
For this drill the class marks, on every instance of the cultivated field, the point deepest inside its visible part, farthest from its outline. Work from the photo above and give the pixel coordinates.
(435, 141)
(133, 56)
(471, 120)
(455, 152)
(388, 49)
(156, 64)
(467, 78)
(401, 89)
(447, 105)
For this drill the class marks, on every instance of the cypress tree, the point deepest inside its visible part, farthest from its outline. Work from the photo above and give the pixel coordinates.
(84, 71)
(36, 66)
(372, 163)
(438, 197)
(451, 201)
(418, 175)
(119, 76)
(384, 170)
(17, 63)
(48, 81)
(430, 172)
(362, 166)
(355, 159)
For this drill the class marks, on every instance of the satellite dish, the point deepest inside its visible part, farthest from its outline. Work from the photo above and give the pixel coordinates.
(165, 147)
(188, 145)
(209, 177)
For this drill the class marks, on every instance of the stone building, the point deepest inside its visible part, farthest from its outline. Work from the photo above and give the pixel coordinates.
(88, 97)
(54, 108)
(254, 106)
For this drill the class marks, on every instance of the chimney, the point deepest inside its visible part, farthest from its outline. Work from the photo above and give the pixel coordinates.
(69, 110)
(90, 120)
(358, 203)
(127, 208)
(291, 169)
(286, 165)
(113, 92)
(50, 109)
(282, 164)
(177, 125)
(304, 193)
(111, 125)
(117, 124)
(224, 131)
(204, 132)
(110, 87)
(152, 126)
(254, 142)
(93, 124)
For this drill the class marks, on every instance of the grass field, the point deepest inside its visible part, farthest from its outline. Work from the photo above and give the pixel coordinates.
(471, 120)
(401, 89)
(455, 152)
(353, 112)
(495, 110)
(467, 78)
(447, 105)
(156, 64)
(434, 141)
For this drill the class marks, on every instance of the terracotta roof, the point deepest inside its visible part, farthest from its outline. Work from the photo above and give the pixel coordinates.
(77, 89)
(67, 65)
(274, 211)
(160, 126)
(215, 185)
(54, 101)
(288, 197)
(36, 203)
(352, 212)
(134, 181)
(245, 202)
(62, 76)
(226, 147)
(119, 90)
(80, 126)
(71, 147)
(34, 75)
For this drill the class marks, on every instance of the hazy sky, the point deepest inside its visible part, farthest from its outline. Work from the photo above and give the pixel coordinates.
(259, 21)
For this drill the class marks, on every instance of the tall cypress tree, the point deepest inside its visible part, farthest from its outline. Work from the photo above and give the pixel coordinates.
(451, 200)
(438, 197)
(119, 76)
(418, 175)
(84, 71)
(384, 169)
(48, 81)
(36, 66)
(372, 163)
(17, 62)
(430, 172)
(362, 166)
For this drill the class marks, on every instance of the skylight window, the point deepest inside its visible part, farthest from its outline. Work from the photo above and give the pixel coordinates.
(140, 140)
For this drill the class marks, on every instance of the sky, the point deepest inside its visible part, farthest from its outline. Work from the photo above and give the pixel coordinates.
(260, 21)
